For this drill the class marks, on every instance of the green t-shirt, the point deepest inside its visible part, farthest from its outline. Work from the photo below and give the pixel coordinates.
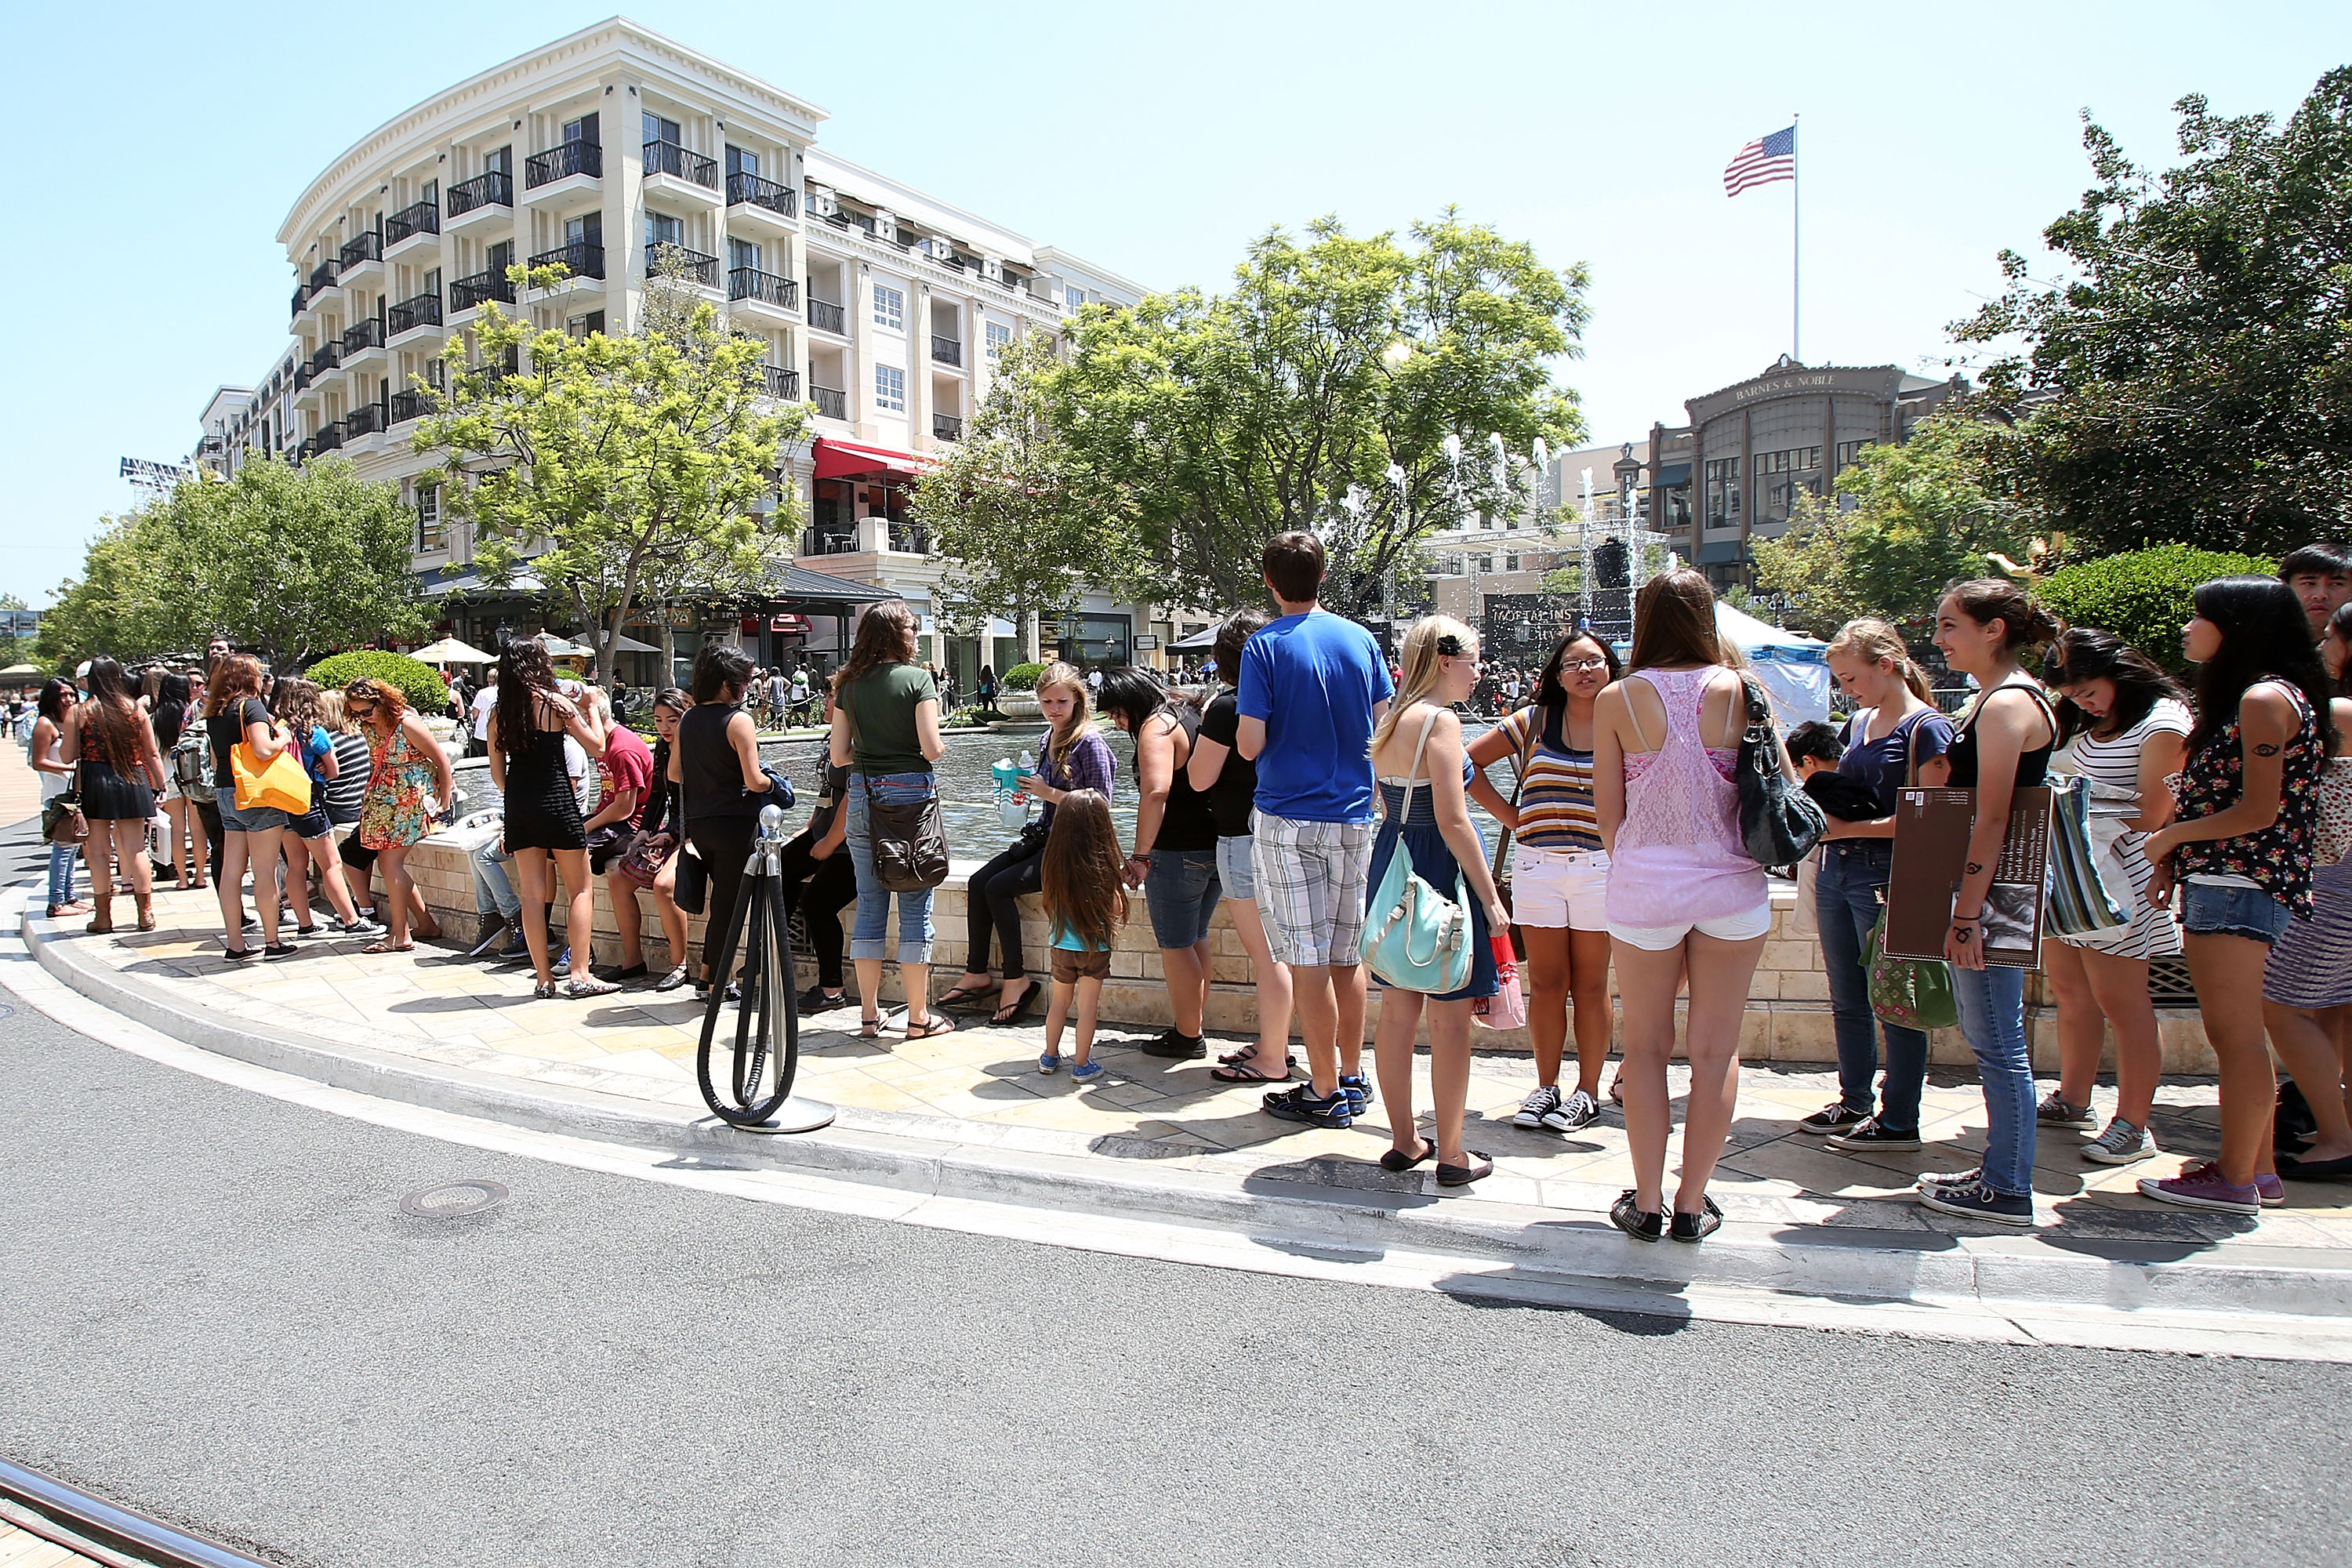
(882, 719)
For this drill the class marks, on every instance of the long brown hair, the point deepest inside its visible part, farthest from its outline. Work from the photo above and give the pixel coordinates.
(234, 679)
(297, 705)
(1080, 873)
(1062, 737)
(885, 635)
(525, 675)
(1673, 622)
(113, 719)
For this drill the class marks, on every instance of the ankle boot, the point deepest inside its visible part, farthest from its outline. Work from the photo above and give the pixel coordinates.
(104, 922)
(146, 902)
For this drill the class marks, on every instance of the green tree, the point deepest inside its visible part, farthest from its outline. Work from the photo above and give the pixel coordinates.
(2190, 377)
(113, 608)
(1371, 392)
(1901, 523)
(618, 470)
(1020, 532)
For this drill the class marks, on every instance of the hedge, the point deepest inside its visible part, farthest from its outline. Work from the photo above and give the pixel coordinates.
(1022, 676)
(2144, 596)
(418, 682)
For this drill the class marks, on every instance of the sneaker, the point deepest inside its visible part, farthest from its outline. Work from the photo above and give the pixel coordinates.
(2120, 1144)
(1175, 1045)
(1977, 1201)
(308, 933)
(2056, 1111)
(1301, 1104)
(1871, 1134)
(1542, 1102)
(1359, 1090)
(1087, 1072)
(1579, 1109)
(2202, 1187)
(1837, 1116)
(815, 1000)
(1048, 1063)
(2272, 1190)
(562, 967)
(492, 926)
(516, 948)
(361, 926)
(1967, 1178)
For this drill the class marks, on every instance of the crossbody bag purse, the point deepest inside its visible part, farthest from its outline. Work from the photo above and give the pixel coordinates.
(1415, 938)
(1909, 993)
(691, 889)
(909, 837)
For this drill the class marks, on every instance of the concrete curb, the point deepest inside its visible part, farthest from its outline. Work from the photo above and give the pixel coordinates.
(2281, 1301)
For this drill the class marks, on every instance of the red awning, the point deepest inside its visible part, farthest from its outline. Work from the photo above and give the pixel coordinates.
(836, 459)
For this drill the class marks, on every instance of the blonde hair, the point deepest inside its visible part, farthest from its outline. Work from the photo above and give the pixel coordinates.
(331, 714)
(1871, 641)
(1059, 740)
(1421, 668)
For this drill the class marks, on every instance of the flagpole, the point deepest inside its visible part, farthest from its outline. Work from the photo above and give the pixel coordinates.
(1796, 311)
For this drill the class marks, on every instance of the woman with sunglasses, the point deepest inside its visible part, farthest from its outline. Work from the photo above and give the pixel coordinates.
(408, 774)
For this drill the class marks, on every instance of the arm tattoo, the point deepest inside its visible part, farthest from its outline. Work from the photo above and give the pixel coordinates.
(2267, 750)
(1975, 867)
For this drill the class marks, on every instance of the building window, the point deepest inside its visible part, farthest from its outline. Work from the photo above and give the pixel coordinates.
(742, 254)
(890, 388)
(1794, 460)
(889, 306)
(584, 326)
(1850, 453)
(1000, 338)
(663, 230)
(660, 130)
(1485, 564)
(1722, 498)
(581, 129)
(739, 161)
(429, 536)
(1074, 295)
(1510, 562)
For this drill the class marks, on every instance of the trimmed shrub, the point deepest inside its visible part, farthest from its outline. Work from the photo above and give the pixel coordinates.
(418, 682)
(2143, 595)
(1022, 676)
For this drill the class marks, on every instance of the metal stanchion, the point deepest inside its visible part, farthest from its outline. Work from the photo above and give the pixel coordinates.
(754, 1090)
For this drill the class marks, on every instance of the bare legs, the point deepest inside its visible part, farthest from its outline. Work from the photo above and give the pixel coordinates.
(189, 850)
(539, 868)
(1719, 972)
(1449, 1069)
(2227, 972)
(2096, 990)
(1568, 969)
(1273, 984)
(400, 894)
(1186, 971)
(2312, 1058)
(1330, 1001)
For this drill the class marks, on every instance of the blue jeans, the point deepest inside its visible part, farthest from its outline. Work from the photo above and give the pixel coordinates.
(1854, 872)
(1182, 892)
(61, 865)
(1993, 1015)
(493, 881)
(865, 937)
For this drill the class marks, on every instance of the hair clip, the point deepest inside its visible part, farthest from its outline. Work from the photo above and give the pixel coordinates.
(1450, 645)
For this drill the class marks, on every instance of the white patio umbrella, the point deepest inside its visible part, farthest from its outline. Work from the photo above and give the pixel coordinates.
(449, 651)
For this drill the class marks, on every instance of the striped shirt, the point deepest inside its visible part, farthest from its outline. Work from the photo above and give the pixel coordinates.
(1555, 805)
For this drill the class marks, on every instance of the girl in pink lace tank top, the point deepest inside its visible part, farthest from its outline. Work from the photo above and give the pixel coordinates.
(1678, 858)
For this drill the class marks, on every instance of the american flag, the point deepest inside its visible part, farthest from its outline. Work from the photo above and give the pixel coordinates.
(1761, 163)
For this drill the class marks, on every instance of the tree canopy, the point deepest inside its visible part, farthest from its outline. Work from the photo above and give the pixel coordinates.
(618, 470)
(2190, 379)
(1368, 390)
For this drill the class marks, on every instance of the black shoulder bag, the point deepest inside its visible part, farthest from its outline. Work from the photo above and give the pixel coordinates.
(1779, 822)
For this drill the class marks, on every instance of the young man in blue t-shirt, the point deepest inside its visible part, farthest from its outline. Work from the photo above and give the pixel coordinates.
(1312, 687)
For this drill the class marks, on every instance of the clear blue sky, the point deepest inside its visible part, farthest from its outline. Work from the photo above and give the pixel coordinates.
(159, 147)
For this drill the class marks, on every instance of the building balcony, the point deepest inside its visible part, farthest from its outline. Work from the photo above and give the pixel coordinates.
(776, 382)
(580, 259)
(824, 316)
(301, 298)
(484, 199)
(829, 539)
(412, 229)
(367, 419)
(408, 406)
(559, 171)
(362, 341)
(478, 288)
(362, 256)
(910, 538)
(418, 315)
(764, 296)
(947, 426)
(330, 355)
(947, 351)
(327, 438)
(831, 404)
(672, 168)
(703, 269)
(755, 203)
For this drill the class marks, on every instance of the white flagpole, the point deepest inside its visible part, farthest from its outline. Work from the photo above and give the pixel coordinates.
(1796, 311)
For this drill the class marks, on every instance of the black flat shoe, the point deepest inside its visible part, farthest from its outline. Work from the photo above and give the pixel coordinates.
(1641, 1225)
(1463, 1175)
(1396, 1162)
(2294, 1170)
(278, 950)
(1696, 1226)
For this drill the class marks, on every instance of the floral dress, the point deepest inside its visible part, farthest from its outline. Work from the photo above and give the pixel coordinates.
(392, 815)
(2277, 858)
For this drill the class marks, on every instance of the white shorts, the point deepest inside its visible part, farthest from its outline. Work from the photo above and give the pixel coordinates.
(1555, 888)
(1756, 923)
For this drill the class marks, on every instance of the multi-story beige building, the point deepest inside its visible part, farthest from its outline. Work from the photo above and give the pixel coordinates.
(881, 308)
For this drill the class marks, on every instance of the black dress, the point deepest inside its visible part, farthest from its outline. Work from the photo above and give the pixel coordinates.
(111, 794)
(541, 811)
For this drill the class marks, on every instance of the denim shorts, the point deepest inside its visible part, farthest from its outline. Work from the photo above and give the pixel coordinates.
(1234, 872)
(253, 820)
(2210, 911)
(1181, 893)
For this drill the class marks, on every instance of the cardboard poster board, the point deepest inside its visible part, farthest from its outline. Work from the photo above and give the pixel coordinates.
(1931, 847)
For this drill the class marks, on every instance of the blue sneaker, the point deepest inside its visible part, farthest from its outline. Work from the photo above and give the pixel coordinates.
(1087, 1072)
(1047, 1062)
(1302, 1104)
(1359, 1090)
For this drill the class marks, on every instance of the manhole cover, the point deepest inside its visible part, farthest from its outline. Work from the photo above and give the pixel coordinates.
(454, 1200)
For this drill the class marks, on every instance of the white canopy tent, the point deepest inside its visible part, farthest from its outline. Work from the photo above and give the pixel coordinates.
(1789, 664)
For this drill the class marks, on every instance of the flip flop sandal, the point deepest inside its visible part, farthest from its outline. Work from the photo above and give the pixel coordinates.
(1397, 1162)
(388, 947)
(1246, 1072)
(961, 995)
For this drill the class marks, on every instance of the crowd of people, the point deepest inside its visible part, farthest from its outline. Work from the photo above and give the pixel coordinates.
(1309, 772)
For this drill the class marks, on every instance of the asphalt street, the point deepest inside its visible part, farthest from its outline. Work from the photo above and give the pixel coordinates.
(212, 1307)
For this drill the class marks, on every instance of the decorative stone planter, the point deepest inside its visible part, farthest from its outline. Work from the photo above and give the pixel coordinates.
(1019, 705)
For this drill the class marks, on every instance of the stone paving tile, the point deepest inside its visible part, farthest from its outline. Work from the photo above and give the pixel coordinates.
(980, 1085)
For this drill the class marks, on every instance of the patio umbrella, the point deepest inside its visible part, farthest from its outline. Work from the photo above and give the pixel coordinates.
(449, 651)
(630, 645)
(562, 647)
(24, 672)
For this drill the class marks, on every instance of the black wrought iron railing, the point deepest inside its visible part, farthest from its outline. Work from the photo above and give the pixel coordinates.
(424, 217)
(494, 189)
(330, 355)
(750, 283)
(328, 438)
(912, 538)
(947, 427)
(669, 158)
(579, 258)
(301, 298)
(469, 292)
(827, 542)
(831, 404)
(408, 406)
(777, 383)
(826, 317)
(322, 276)
(703, 269)
(367, 419)
(947, 351)
(421, 311)
(360, 247)
(363, 335)
(751, 190)
(302, 375)
(558, 163)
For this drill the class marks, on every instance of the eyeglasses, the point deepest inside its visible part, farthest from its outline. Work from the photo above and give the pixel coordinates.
(1584, 666)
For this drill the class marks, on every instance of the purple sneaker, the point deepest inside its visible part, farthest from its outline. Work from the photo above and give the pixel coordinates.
(2272, 1190)
(2202, 1187)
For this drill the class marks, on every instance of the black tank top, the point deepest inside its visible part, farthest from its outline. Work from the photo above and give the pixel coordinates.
(707, 768)
(2033, 767)
(1187, 823)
